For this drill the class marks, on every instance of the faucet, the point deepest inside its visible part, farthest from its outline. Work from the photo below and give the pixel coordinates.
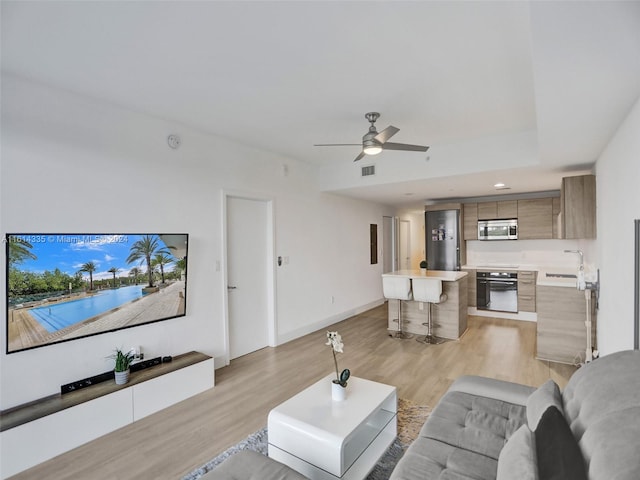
(579, 252)
(581, 284)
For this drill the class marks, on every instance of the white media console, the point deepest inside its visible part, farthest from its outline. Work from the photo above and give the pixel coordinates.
(30, 434)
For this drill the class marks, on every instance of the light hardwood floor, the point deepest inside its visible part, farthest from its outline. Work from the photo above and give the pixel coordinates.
(171, 443)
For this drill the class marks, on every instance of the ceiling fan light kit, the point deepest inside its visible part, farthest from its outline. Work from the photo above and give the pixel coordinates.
(372, 149)
(373, 142)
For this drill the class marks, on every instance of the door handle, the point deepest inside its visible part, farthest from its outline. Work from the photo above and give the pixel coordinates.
(230, 287)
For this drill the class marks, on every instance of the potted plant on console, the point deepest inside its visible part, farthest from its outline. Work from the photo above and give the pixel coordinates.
(339, 384)
(121, 369)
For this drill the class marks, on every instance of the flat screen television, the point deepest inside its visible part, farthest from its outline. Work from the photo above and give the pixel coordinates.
(63, 287)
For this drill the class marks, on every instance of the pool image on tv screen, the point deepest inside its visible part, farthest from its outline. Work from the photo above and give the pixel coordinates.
(63, 287)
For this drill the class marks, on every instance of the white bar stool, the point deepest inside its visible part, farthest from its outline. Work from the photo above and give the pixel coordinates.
(428, 290)
(398, 288)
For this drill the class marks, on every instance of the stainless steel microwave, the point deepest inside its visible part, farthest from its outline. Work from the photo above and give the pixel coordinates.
(498, 229)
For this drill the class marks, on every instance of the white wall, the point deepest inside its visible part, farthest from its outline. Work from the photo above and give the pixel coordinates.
(73, 164)
(617, 183)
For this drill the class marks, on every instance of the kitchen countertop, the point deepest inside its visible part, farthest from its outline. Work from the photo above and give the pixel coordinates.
(546, 273)
(503, 267)
(444, 275)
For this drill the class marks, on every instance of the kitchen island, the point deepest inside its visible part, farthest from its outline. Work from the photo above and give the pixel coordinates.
(449, 318)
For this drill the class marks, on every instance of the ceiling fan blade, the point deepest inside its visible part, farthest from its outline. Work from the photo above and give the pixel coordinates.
(336, 144)
(404, 146)
(362, 154)
(386, 134)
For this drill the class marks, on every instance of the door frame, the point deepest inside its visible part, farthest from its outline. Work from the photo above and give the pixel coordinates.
(393, 249)
(271, 272)
(407, 243)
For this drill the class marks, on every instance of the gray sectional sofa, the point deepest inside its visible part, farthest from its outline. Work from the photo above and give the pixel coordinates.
(487, 429)
(490, 429)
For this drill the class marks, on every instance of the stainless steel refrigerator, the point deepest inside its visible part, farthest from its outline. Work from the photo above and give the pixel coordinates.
(442, 231)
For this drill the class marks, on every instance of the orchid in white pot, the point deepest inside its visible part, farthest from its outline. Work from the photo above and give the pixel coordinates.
(334, 340)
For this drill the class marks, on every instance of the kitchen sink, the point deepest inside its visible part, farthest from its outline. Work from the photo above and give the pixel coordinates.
(561, 275)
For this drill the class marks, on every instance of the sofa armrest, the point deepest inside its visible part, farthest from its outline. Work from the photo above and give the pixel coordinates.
(491, 388)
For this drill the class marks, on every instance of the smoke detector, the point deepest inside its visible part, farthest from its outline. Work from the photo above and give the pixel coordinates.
(174, 141)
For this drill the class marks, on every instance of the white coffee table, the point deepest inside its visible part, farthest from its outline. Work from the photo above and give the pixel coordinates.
(325, 439)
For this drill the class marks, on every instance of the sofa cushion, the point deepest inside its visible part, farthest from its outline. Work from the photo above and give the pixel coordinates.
(492, 388)
(478, 424)
(559, 456)
(433, 460)
(518, 457)
(606, 385)
(614, 446)
(547, 395)
(602, 407)
(249, 465)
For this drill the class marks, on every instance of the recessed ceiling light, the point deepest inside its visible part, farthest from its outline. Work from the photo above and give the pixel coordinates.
(499, 185)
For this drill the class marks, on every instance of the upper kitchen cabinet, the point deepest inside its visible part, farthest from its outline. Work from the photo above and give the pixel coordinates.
(498, 210)
(535, 218)
(555, 203)
(578, 207)
(507, 209)
(487, 210)
(470, 221)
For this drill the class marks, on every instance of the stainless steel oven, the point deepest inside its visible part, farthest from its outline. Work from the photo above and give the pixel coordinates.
(497, 291)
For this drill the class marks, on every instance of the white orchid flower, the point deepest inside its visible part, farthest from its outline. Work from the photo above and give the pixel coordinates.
(334, 339)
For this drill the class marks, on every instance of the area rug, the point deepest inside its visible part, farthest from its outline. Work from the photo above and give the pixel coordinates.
(411, 417)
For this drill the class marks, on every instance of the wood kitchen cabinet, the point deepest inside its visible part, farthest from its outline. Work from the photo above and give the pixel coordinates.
(498, 210)
(487, 210)
(527, 291)
(572, 215)
(561, 332)
(555, 215)
(471, 288)
(470, 221)
(507, 209)
(535, 218)
(578, 206)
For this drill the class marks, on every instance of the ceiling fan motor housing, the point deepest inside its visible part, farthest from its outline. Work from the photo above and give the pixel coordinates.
(368, 139)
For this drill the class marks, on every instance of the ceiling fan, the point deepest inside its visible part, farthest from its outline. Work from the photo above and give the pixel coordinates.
(374, 142)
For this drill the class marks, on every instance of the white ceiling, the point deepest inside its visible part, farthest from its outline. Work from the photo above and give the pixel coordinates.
(518, 92)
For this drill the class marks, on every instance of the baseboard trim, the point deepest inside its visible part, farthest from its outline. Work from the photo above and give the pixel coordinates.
(300, 332)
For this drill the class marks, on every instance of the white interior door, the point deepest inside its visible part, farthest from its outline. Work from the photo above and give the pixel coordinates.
(247, 275)
(405, 245)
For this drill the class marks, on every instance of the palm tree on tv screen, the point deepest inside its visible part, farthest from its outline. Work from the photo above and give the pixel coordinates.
(114, 270)
(160, 260)
(19, 251)
(135, 272)
(181, 267)
(89, 268)
(143, 250)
